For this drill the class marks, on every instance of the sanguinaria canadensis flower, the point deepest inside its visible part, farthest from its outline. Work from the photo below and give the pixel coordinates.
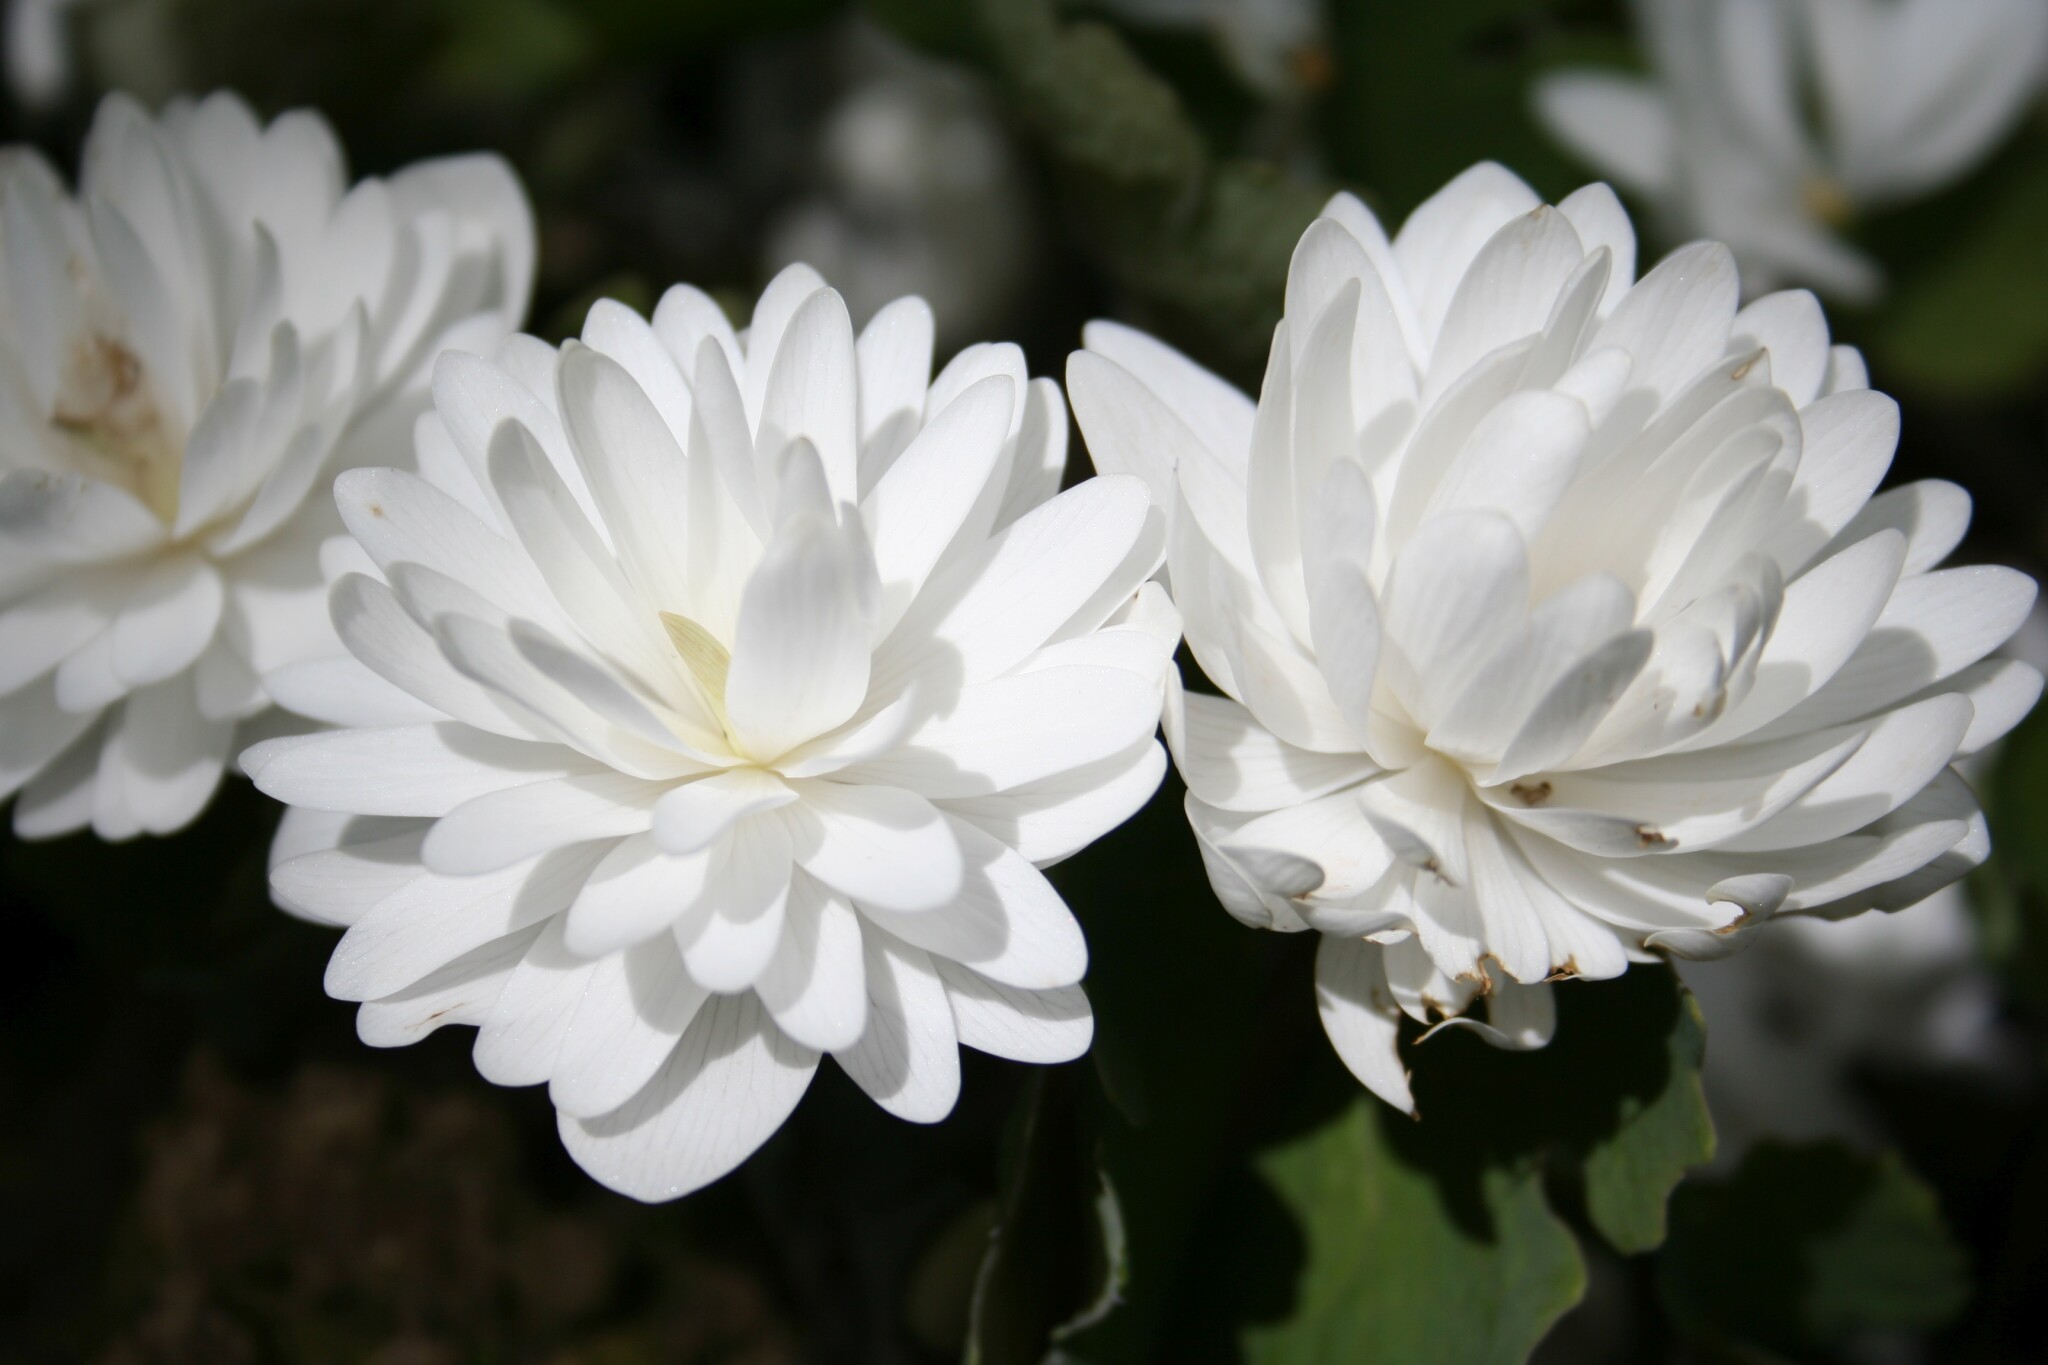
(1556, 622)
(1770, 124)
(189, 349)
(712, 702)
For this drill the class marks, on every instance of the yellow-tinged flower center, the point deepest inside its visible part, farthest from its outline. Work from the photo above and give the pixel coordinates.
(707, 661)
(1826, 200)
(108, 408)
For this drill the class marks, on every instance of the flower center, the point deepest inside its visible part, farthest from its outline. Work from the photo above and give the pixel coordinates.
(1826, 200)
(106, 405)
(707, 662)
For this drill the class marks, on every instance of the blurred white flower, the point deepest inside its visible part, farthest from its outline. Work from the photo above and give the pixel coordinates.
(1274, 45)
(1556, 622)
(714, 701)
(1910, 95)
(1794, 1019)
(38, 51)
(921, 194)
(187, 350)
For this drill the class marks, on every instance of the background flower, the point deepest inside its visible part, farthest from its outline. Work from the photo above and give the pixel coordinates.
(1556, 622)
(189, 349)
(1911, 95)
(738, 684)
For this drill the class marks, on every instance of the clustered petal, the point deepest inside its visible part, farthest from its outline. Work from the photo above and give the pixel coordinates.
(1556, 622)
(188, 349)
(712, 702)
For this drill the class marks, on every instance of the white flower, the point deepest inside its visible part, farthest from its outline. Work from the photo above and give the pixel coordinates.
(714, 703)
(1557, 623)
(1911, 94)
(186, 349)
(1804, 1013)
(920, 194)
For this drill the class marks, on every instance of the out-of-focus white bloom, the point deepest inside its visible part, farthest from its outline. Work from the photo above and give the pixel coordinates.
(1271, 43)
(1795, 1017)
(1911, 94)
(714, 702)
(38, 51)
(921, 195)
(188, 349)
(1557, 624)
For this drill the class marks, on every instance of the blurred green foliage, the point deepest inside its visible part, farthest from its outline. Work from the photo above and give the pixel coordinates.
(1423, 91)
(1807, 1247)
(1969, 270)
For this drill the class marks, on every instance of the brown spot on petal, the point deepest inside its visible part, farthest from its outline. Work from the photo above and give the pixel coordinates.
(1650, 837)
(1531, 794)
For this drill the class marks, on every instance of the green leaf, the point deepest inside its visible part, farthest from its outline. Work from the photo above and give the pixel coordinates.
(1394, 1271)
(1808, 1245)
(1056, 1258)
(1614, 1103)
(1630, 1174)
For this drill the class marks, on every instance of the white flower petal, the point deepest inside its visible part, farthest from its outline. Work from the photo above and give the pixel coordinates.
(380, 634)
(1619, 124)
(632, 464)
(499, 828)
(815, 986)
(725, 1088)
(1232, 762)
(999, 734)
(695, 815)
(880, 846)
(522, 1033)
(732, 938)
(343, 691)
(637, 1005)
(338, 884)
(812, 392)
(636, 892)
(1060, 815)
(908, 1056)
(800, 653)
(917, 507)
(894, 356)
(1006, 921)
(168, 623)
(460, 993)
(401, 770)
(1361, 1017)
(172, 755)
(1025, 1026)
(431, 920)
(991, 609)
